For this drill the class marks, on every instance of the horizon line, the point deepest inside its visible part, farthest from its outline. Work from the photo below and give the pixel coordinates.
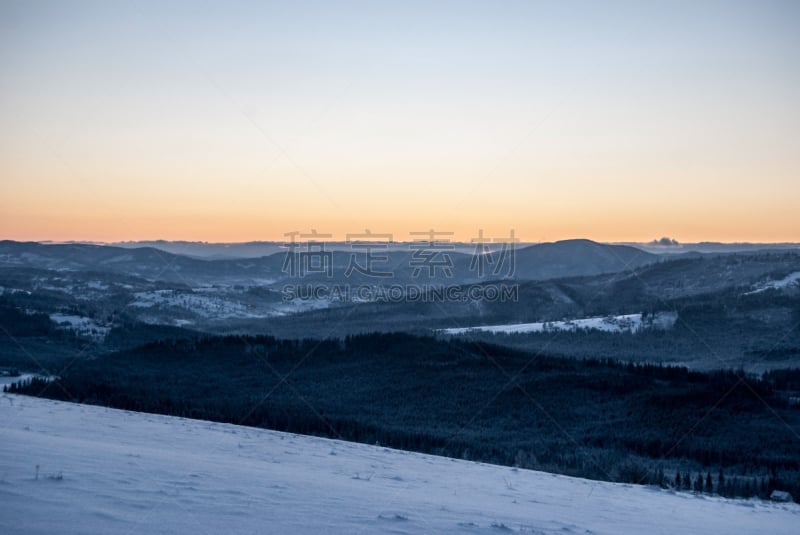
(340, 241)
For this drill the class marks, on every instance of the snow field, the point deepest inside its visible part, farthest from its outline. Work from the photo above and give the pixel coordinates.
(109, 471)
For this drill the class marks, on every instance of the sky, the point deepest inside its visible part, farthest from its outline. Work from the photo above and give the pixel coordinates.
(236, 121)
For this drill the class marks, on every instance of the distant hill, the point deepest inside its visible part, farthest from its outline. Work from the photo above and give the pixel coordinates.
(571, 258)
(146, 262)
(712, 247)
(536, 262)
(208, 251)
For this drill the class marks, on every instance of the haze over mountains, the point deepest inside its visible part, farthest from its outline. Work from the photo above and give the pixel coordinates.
(265, 248)
(166, 259)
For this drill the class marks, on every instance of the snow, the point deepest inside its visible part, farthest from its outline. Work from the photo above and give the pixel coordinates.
(8, 379)
(295, 306)
(11, 291)
(789, 281)
(613, 324)
(82, 325)
(204, 306)
(109, 471)
(210, 303)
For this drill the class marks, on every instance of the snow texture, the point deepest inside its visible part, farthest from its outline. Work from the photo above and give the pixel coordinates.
(82, 325)
(792, 280)
(68, 468)
(205, 306)
(613, 324)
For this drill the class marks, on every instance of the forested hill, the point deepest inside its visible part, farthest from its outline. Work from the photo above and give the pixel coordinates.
(598, 419)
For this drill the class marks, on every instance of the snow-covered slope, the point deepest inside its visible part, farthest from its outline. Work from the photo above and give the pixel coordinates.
(792, 280)
(109, 471)
(611, 324)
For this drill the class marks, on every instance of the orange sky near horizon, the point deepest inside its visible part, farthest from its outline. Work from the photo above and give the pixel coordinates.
(109, 226)
(242, 122)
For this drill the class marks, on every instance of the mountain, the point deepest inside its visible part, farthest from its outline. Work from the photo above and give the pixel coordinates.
(570, 258)
(146, 262)
(712, 247)
(208, 251)
(406, 265)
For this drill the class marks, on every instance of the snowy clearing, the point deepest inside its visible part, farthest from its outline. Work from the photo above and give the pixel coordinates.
(212, 303)
(612, 324)
(204, 306)
(82, 325)
(67, 468)
(789, 281)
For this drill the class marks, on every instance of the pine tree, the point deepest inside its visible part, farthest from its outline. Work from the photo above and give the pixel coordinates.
(709, 483)
(677, 481)
(698, 483)
(736, 487)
